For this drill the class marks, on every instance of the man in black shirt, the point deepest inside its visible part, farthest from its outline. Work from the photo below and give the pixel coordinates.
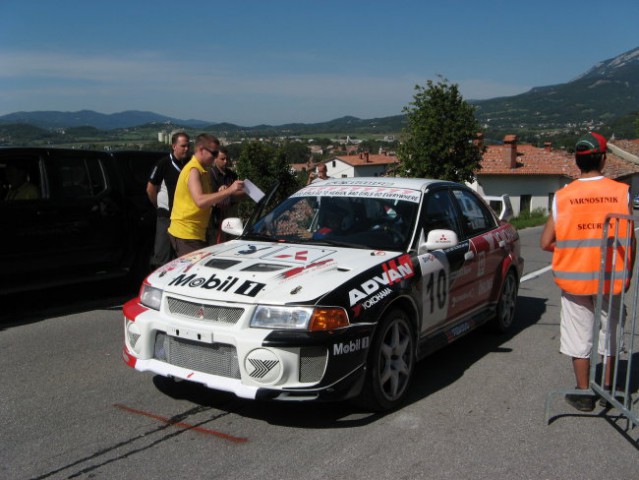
(221, 177)
(161, 189)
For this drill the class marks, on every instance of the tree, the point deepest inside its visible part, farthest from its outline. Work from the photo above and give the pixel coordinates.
(295, 152)
(438, 139)
(265, 165)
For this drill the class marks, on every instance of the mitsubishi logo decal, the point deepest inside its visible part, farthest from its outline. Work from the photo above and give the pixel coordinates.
(262, 367)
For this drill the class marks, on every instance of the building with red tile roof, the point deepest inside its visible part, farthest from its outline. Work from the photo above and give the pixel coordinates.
(361, 165)
(530, 175)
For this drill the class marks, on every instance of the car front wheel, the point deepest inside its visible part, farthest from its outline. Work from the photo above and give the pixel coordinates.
(391, 362)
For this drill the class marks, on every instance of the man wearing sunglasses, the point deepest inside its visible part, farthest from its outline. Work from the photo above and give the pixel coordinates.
(194, 197)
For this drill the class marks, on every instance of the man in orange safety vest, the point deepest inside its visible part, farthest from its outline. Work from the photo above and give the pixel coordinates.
(573, 233)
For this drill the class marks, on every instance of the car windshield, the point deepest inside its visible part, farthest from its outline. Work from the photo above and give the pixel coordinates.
(382, 219)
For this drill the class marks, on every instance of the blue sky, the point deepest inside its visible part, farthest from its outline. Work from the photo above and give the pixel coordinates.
(274, 62)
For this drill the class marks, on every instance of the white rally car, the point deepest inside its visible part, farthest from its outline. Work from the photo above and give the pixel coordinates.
(334, 293)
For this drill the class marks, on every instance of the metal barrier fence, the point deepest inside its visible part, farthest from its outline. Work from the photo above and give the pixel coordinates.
(625, 375)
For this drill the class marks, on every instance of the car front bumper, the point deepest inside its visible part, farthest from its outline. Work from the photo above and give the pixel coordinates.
(251, 363)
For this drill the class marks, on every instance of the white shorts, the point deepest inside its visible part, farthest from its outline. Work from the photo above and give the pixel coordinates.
(578, 320)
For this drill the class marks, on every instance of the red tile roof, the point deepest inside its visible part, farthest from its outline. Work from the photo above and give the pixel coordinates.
(541, 161)
(530, 161)
(360, 159)
(630, 146)
(617, 167)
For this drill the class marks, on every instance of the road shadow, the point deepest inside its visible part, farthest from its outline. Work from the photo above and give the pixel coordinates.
(434, 373)
(627, 370)
(31, 307)
(295, 414)
(459, 356)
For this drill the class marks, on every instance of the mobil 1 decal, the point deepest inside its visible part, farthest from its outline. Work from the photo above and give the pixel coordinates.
(435, 287)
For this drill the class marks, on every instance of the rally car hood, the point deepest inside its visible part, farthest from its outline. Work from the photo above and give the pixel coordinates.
(274, 273)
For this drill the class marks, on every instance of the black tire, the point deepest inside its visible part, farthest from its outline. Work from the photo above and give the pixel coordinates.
(391, 362)
(505, 316)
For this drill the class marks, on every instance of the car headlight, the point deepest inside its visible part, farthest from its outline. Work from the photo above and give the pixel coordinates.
(151, 297)
(299, 318)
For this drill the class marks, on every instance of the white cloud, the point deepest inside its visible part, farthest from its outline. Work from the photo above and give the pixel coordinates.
(219, 91)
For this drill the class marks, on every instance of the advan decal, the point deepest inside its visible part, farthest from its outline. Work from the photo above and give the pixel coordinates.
(393, 272)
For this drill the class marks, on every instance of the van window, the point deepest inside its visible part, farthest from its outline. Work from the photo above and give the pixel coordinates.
(20, 179)
(76, 177)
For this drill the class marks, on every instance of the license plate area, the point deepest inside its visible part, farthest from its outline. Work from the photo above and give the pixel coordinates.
(189, 334)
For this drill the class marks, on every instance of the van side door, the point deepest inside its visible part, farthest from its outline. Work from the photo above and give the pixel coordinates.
(84, 210)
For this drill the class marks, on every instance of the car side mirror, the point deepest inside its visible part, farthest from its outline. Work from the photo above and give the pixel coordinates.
(232, 226)
(439, 238)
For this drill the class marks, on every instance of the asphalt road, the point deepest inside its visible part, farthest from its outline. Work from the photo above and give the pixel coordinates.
(70, 408)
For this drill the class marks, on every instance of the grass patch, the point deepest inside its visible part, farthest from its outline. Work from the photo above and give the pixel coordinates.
(530, 219)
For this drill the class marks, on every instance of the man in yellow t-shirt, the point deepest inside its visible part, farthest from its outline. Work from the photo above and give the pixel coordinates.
(194, 198)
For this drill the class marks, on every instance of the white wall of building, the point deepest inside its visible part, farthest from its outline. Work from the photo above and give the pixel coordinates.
(338, 169)
(540, 188)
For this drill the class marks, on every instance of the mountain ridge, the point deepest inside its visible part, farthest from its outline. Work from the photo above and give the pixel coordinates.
(607, 91)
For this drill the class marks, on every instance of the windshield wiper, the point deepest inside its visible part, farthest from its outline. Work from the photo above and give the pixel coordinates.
(336, 243)
(259, 236)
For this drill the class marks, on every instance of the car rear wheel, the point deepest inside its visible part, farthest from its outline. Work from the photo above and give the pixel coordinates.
(391, 362)
(505, 317)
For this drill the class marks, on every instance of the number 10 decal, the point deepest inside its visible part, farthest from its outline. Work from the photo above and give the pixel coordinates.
(435, 288)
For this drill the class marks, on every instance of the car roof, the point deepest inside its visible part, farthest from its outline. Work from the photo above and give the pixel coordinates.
(421, 184)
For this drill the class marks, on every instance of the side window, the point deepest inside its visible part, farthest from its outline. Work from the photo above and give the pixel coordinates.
(96, 176)
(20, 179)
(76, 177)
(439, 212)
(476, 218)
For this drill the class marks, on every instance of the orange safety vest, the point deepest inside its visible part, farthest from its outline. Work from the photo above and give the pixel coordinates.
(582, 207)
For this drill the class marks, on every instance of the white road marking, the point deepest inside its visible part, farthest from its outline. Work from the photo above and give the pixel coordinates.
(535, 274)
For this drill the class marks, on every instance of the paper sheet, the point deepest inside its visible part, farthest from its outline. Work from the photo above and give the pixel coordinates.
(253, 191)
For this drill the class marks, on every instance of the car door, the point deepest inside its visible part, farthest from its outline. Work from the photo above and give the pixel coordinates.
(485, 248)
(444, 271)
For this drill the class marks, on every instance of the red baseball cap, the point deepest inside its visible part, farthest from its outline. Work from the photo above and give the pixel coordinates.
(591, 143)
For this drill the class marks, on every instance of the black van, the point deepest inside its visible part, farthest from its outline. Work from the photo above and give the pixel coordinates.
(68, 216)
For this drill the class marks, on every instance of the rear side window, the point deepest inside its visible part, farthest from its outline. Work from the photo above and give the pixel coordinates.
(476, 218)
(76, 177)
(20, 178)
